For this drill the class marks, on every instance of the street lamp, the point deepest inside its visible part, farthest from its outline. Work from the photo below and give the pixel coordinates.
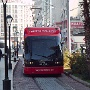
(17, 42)
(20, 39)
(14, 27)
(6, 81)
(9, 20)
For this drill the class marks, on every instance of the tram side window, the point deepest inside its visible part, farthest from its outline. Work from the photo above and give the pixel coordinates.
(27, 54)
(26, 48)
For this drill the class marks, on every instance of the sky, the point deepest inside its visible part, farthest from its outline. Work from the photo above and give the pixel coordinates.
(72, 3)
(26, 1)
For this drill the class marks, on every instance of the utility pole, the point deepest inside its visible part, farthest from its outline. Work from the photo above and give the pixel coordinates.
(35, 20)
(68, 28)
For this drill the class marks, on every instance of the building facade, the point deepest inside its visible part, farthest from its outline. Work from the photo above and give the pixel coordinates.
(50, 12)
(42, 13)
(72, 28)
(77, 33)
(22, 17)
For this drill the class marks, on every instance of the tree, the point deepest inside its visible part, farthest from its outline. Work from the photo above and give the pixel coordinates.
(86, 14)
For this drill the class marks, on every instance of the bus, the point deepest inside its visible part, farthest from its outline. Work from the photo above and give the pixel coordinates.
(42, 51)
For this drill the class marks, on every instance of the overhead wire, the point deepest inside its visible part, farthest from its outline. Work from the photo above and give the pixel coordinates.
(75, 7)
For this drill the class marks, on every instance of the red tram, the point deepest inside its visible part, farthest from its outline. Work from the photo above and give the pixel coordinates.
(42, 51)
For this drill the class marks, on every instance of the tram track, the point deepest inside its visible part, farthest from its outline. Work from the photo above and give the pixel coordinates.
(21, 82)
(51, 83)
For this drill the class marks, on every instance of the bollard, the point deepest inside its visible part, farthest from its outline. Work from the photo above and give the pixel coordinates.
(14, 59)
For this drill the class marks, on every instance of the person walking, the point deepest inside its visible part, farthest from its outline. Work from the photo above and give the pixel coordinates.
(0, 54)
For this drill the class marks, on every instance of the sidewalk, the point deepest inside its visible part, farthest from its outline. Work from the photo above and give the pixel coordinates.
(2, 73)
(10, 72)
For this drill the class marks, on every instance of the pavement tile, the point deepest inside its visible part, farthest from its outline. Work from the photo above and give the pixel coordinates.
(2, 73)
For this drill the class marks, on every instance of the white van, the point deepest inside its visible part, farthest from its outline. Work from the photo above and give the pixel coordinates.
(2, 44)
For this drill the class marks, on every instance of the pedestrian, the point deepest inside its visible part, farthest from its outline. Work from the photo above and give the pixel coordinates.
(0, 54)
(7, 51)
(19, 46)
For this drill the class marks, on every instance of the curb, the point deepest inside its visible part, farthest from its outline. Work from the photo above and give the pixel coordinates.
(81, 81)
(17, 61)
(14, 68)
(77, 79)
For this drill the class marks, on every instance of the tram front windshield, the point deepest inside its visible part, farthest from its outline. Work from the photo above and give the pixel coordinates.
(42, 47)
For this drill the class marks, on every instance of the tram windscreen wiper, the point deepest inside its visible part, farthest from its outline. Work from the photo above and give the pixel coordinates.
(42, 56)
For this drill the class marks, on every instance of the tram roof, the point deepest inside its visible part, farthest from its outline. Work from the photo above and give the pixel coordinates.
(41, 31)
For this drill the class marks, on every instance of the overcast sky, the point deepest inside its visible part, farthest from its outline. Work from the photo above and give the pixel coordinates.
(73, 4)
(26, 1)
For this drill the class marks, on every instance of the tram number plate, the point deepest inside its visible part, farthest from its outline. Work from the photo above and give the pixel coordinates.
(44, 69)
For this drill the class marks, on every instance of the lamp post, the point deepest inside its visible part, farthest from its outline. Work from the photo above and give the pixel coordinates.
(6, 81)
(17, 42)
(17, 47)
(20, 39)
(9, 20)
(14, 27)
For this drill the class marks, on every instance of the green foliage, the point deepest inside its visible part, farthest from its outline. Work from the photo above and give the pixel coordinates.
(73, 59)
(69, 59)
(66, 54)
(78, 65)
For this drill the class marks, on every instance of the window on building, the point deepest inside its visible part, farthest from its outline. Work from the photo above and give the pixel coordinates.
(15, 6)
(15, 11)
(15, 16)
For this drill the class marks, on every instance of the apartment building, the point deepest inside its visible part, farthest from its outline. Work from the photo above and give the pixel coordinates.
(22, 17)
(50, 12)
(40, 13)
(71, 27)
(37, 13)
(65, 23)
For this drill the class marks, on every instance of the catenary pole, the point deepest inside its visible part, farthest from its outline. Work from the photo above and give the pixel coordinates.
(68, 28)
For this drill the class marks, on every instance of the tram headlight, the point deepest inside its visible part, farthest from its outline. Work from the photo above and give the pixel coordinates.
(31, 62)
(57, 62)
